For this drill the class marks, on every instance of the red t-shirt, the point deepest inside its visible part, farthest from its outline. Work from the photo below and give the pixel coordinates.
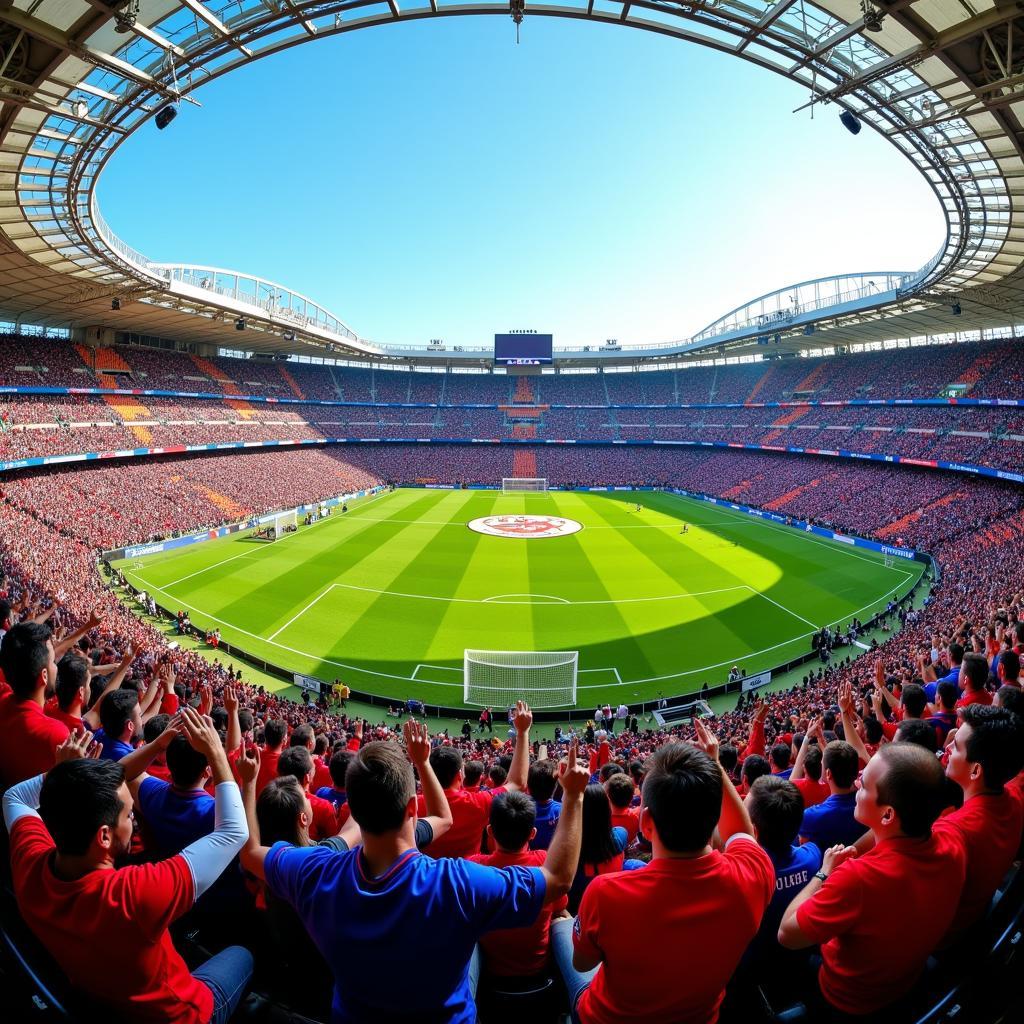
(470, 814)
(814, 792)
(325, 821)
(69, 720)
(268, 768)
(517, 952)
(974, 697)
(711, 906)
(108, 930)
(629, 819)
(321, 775)
(990, 828)
(878, 918)
(28, 740)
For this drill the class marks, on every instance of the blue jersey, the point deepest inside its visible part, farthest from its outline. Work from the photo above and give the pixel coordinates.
(337, 797)
(832, 822)
(546, 822)
(418, 921)
(174, 818)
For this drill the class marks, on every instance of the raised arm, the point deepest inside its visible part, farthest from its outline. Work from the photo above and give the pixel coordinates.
(233, 740)
(801, 755)
(883, 690)
(519, 770)
(563, 857)
(136, 763)
(850, 731)
(61, 647)
(417, 746)
(735, 818)
(254, 853)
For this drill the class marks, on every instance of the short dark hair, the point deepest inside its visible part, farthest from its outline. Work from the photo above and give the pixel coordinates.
(956, 653)
(277, 811)
(23, 655)
(1011, 698)
(914, 730)
(812, 761)
(274, 733)
(447, 763)
(185, 763)
(541, 779)
(913, 785)
(340, 761)
(948, 693)
(497, 775)
(914, 699)
(608, 770)
(301, 736)
(5, 609)
(472, 772)
(295, 761)
(996, 742)
(728, 757)
(512, 819)
(682, 792)
(780, 755)
(754, 766)
(245, 720)
(1010, 661)
(116, 709)
(72, 676)
(620, 790)
(873, 731)
(380, 784)
(155, 726)
(79, 797)
(975, 668)
(842, 761)
(776, 808)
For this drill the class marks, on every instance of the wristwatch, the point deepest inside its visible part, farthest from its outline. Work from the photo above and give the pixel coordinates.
(821, 875)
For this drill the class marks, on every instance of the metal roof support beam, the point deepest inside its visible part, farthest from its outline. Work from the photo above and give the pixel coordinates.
(767, 19)
(206, 15)
(20, 100)
(141, 30)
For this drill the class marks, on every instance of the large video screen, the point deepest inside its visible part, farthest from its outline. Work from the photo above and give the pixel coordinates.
(522, 349)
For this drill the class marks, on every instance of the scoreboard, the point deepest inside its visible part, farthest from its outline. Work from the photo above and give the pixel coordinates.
(523, 349)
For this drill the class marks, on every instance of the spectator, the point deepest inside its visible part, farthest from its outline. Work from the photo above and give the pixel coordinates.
(603, 846)
(973, 679)
(619, 788)
(298, 763)
(833, 821)
(541, 780)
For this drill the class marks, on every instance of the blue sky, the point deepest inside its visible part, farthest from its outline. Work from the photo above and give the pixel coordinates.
(433, 179)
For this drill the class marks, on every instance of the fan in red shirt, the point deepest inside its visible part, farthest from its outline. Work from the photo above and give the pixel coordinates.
(877, 917)
(298, 763)
(472, 811)
(973, 677)
(691, 897)
(274, 733)
(95, 918)
(28, 737)
(620, 791)
(986, 753)
(517, 952)
(806, 774)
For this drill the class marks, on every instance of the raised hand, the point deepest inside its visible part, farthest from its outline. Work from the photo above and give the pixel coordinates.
(200, 732)
(417, 741)
(205, 699)
(846, 697)
(706, 739)
(230, 699)
(836, 855)
(173, 728)
(574, 777)
(248, 765)
(523, 717)
(78, 744)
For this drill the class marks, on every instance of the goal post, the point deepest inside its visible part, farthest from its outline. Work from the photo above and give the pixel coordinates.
(280, 524)
(523, 484)
(544, 679)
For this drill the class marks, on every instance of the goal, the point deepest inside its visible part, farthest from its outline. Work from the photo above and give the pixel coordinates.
(544, 679)
(284, 522)
(520, 484)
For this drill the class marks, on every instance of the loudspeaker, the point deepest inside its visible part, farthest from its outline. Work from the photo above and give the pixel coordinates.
(165, 116)
(850, 122)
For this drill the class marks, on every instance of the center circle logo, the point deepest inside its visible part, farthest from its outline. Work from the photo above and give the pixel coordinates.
(525, 527)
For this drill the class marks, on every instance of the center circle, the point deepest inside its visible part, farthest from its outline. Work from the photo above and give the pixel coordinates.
(524, 527)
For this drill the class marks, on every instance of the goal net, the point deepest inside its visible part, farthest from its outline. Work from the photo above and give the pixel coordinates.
(285, 522)
(544, 679)
(519, 484)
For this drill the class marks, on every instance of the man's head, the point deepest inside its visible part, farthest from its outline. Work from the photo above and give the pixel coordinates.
(189, 768)
(303, 736)
(1011, 698)
(5, 614)
(87, 809)
(682, 798)
(512, 821)
(26, 657)
(284, 812)
(472, 773)
(496, 775)
(901, 792)
(154, 727)
(914, 730)
(947, 694)
(120, 715)
(754, 767)
(338, 767)
(840, 763)
(776, 808)
(298, 763)
(812, 762)
(914, 700)
(447, 765)
(620, 791)
(72, 683)
(1009, 667)
(988, 748)
(779, 757)
(541, 779)
(381, 788)
(974, 672)
(274, 733)
(956, 655)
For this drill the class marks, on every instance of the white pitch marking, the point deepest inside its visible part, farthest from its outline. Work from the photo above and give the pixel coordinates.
(302, 612)
(788, 611)
(548, 599)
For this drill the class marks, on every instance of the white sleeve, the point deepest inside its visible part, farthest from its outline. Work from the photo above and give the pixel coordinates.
(208, 857)
(22, 800)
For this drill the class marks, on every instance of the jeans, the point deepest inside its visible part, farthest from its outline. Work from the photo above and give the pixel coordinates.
(227, 976)
(576, 982)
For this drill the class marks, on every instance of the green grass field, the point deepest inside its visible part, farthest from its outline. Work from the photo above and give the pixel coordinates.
(388, 597)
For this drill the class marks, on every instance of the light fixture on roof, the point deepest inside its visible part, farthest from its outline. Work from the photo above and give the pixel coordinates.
(165, 115)
(518, 11)
(125, 19)
(240, 324)
(851, 122)
(288, 336)
(873, 17)
(956, 309)
(115, 304)
(81, 109)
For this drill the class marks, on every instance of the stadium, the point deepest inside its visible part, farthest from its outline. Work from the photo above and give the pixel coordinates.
(513, 674)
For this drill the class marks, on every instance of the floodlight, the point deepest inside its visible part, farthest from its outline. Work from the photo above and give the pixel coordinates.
(851, 122)
(165, 115)
(115, 303)
(240, 324)
(956, 309)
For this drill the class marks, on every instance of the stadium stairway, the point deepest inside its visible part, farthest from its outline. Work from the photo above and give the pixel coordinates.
(293, 384)
(524, 392)
(785, 420)
(524, 463)
(979, 368)
(761, 382)
(898, 526)
(784, 499)
(127, 407)
(228, 386)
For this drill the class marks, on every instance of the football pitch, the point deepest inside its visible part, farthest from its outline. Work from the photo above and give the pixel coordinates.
(388, 596)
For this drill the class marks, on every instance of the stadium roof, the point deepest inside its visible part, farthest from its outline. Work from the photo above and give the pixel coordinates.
(943, 80)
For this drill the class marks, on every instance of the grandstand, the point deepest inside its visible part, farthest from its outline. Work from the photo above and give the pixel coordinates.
(805, 780)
